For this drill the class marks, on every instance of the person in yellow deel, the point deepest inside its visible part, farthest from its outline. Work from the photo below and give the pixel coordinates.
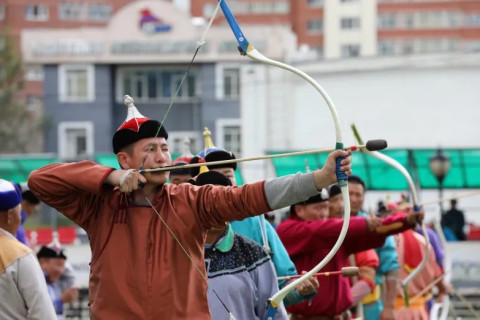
(23, 291)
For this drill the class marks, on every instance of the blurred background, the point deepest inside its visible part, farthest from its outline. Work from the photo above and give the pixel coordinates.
(407, 71)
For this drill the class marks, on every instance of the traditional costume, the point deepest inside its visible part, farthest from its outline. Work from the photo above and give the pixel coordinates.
(411, 247)
(138, 270)
(308, 242)
(23, 292)
(54, 289)
(239, 271)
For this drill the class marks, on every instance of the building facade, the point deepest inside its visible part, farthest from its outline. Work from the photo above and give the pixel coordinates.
(335, 29)
(144, 51)
(17, 15)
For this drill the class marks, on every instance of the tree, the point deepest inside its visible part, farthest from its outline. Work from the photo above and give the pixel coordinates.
(18, 126)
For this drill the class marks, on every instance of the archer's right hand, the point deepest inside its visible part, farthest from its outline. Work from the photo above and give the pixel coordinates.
(127, 180)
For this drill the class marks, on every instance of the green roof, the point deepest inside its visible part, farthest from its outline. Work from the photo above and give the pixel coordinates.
(464, 172)
(18, 169)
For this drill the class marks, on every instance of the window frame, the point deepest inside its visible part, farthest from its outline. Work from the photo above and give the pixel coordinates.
(175, 70)
(315, 3)
(315, 31)
(62, 129)
(220, 81)
(352, 25)
(62, 82)
(220, 125)
(31, 17)
(196, 141)
(351, 45)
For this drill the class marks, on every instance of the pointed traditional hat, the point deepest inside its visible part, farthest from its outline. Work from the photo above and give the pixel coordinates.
(211, 154)
(136, 127)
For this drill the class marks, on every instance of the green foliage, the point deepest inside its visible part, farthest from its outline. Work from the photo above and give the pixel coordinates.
(17, 124)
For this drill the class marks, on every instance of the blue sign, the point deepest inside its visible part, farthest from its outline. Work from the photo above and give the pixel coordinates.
(151, 24)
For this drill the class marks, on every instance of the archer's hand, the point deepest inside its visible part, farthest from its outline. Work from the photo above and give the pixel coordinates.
(415, 217)
(69, 295)
(373, 223)
(387, 314)
(127, 180)
(327, 176)
(308, 286)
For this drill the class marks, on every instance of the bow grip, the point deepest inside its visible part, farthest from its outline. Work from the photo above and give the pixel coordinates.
(341, 176)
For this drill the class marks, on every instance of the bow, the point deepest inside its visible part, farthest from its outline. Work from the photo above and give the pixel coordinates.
(416, 207)
(247, 49)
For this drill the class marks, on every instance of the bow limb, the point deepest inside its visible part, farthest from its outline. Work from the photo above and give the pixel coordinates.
(395, 164)
(247, 49)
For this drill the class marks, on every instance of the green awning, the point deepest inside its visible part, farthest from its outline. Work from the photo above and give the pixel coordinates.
(18, 169)
(464, 172)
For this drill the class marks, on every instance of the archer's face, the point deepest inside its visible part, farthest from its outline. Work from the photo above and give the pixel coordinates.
(156, 155)
(357, 194)
(179, 178)
(312, 211)
(227, 172)
(335, 206)
(53, 267)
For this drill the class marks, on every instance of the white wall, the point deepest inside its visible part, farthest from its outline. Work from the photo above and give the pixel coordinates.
(423, 102)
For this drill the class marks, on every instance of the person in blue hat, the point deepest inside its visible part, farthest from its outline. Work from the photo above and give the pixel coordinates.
(23, 292)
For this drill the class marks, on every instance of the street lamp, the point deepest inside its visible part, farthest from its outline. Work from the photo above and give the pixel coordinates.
(440, 165)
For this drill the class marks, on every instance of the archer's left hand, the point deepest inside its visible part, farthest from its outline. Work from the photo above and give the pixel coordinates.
(327, 175)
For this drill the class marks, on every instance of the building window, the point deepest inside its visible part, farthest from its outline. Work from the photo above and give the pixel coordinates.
(281, 7)
(176, 141)
(229, 135)
(318, 51)
(409, 20)
(75, 140)
(386, 48)
(350, 23)
(315, 3)
(34, 102)
(99, 12)
(76, 83)
(36, 12)
(350, 50)
(71, 11)
(315, 25)
(408, 47)
(2, 11)
(387, 20)
(34, 73)
(472, 20)
(231, 83)
(156, 85)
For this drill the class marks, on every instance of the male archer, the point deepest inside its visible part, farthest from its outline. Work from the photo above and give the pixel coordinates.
(139, 270)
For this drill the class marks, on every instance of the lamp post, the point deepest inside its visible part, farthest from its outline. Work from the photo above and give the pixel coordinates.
(440, 165)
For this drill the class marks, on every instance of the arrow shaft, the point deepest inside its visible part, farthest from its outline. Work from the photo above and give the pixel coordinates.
(272, 156)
